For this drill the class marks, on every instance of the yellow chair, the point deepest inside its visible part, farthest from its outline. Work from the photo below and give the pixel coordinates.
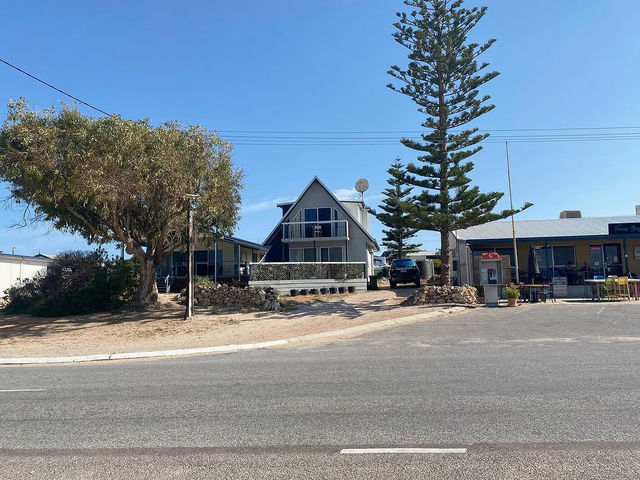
(623, 287)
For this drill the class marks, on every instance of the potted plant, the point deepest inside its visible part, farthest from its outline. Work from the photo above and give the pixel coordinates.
(342, 289)
(333, 290)
(293, 292)
(324, 291)
(512, 292)
(313, 291)
(351, 288)
(303, 291)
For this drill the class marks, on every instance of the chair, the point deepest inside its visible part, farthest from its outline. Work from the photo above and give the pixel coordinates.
(547, 292)
(609, 288)
(623, 287)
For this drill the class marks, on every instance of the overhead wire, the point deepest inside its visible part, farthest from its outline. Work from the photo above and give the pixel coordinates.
(55, 88)
(391, 137)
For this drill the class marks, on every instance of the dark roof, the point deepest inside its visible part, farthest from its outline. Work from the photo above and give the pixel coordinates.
(555, 228)
(245, 243)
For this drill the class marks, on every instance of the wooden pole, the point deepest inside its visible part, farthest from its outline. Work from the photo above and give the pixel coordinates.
(189, 311)
(513, 222)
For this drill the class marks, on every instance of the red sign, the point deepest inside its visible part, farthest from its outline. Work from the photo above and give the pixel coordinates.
(490, 256)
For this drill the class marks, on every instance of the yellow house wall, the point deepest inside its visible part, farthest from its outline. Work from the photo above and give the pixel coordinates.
(581, 250)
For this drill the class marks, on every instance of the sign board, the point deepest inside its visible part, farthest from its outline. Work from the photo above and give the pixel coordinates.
(559, 286)
(490, 256)
(624, 228)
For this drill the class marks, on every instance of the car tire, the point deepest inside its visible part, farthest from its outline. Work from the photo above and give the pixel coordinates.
(392, 285)
(418, 283)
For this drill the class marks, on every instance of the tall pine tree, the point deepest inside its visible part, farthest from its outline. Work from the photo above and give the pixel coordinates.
(443, 77)
(392, 215)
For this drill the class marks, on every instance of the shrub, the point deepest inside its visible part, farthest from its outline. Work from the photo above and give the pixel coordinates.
(511, 291)
(437, 266)
(202, 281)
(383, 273)
(76, 283)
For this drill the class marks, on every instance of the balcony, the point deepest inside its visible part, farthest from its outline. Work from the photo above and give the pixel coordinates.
(317, 230)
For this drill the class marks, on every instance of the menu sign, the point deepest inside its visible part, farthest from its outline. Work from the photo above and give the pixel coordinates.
(624, 228)
(559, 286)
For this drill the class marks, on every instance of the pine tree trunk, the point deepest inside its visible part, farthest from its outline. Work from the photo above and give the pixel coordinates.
(147, 293)
(445, 256)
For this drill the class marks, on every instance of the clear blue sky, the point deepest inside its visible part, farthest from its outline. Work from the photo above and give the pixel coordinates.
(321, 66)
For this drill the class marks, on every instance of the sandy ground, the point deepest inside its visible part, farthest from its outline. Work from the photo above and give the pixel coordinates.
(27, 336)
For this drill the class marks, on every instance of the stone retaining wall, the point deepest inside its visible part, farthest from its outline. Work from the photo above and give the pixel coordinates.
(229, 296)
(432, 294)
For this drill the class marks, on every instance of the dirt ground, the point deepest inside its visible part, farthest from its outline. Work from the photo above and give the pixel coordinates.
(163, 328)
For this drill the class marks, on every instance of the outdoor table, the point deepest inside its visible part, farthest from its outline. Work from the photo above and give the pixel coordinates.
(533, 291)
(597, 282)
(634, 287)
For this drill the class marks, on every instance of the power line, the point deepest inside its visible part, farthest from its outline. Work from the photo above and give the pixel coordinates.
(381, 137)
(55, 88)
(376, 142)
(349, 132)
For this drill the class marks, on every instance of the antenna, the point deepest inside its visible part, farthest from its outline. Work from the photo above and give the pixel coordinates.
(362, 186)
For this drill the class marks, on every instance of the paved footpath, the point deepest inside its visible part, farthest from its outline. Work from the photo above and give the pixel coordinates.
(542, 391)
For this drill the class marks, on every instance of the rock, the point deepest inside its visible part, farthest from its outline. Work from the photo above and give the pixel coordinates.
(432, 294)
(228, 296)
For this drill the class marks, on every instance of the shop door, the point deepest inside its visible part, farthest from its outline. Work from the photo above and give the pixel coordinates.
(595, 256)
(612, 259)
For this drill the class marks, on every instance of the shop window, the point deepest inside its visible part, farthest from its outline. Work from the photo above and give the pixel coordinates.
(564, 256)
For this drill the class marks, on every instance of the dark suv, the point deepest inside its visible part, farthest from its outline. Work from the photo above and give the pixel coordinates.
(404, 271)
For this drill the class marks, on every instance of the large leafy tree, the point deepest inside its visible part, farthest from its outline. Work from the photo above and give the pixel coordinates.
(391, 213)
(116, 180)
(443, 77)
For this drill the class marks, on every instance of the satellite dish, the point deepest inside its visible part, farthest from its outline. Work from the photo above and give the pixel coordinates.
(362, 186)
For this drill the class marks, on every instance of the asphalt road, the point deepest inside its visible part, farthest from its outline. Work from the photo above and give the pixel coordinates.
(542, 391)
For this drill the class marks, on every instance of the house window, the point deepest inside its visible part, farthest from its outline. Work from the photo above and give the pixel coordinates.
(179, 264)
(324, 226)
(213, 258)
(302, 254)
(332, 254)
(309, 254)
(201, 263)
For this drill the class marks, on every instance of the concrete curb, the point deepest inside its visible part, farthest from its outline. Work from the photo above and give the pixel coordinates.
(344, 332)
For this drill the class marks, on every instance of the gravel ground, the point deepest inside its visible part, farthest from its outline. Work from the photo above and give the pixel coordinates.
(163, 328)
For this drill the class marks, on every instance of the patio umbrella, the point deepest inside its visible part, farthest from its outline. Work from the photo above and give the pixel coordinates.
(534, 266)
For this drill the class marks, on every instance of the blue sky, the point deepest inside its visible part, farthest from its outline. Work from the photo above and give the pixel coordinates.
(292, 66)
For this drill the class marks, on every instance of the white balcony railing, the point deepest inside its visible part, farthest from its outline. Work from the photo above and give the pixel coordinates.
(329, 229)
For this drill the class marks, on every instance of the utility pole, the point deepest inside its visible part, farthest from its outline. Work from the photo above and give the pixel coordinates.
(189, 310)
(513, 222)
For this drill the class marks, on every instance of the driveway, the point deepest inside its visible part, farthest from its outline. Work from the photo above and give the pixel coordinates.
(541, 391)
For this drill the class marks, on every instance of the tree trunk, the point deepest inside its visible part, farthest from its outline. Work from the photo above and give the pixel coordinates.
(445, 256)
(147, 293)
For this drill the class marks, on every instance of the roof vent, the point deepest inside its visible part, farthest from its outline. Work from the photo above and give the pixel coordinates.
(571, 214)
(637, 209)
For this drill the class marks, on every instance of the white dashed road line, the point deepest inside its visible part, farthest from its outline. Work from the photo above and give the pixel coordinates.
(600, 311)
(24, 390)
(354, 451)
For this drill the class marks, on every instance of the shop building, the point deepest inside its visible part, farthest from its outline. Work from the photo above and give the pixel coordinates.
(571, 246)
